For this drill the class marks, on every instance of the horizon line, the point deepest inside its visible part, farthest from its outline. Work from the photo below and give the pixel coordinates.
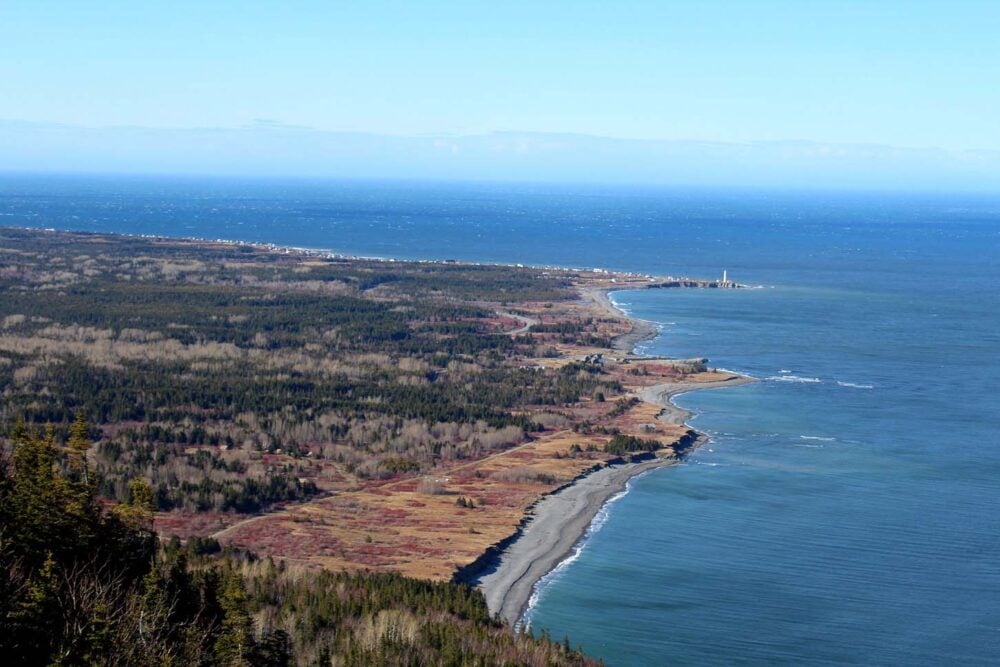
(444, 181)
(271, 125)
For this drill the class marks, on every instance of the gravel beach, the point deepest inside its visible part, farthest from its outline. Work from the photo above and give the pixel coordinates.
(560, 520)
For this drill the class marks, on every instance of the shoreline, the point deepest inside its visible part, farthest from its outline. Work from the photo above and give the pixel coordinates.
(329, 253)
(642, 330)
(554, 524)
(561, 520)
(636, 281)
(557, 524)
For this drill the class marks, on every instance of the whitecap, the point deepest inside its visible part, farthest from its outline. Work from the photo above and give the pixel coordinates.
(854, 385)
(817, 437)
(793, 378)
(734, 371)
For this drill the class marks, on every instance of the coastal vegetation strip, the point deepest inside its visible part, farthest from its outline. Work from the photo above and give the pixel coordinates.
(345, 413)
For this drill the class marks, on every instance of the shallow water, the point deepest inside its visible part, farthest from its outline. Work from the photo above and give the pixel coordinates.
(846, 509)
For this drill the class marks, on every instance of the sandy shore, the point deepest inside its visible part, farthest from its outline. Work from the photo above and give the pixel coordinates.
(559, 521)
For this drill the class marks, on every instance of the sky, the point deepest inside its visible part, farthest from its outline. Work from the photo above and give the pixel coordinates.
(908, 75)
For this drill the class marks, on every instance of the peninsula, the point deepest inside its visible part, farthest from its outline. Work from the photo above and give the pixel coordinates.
(441, 420)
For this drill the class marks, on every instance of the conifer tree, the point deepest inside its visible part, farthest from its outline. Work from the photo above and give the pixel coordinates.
(79, 443)
(32, 622)
(140, 509)
(235, 645)
(40, 512)
(276, 649)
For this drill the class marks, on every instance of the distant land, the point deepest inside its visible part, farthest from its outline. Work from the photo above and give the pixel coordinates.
(269, 148)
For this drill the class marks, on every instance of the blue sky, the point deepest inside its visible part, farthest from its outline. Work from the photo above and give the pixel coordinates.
(906, 74)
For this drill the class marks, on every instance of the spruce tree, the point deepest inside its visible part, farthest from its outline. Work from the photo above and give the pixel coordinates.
(234, 646)
(32, 623)
(79, 443)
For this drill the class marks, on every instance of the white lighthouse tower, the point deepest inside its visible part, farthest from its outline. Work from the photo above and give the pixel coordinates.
(725, 278)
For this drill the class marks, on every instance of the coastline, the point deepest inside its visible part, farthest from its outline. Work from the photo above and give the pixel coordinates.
(555, 521)
(641, 329)
(559, 521)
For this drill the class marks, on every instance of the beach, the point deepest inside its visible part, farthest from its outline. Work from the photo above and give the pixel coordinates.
(558, 523)
(641, 329)
(560, 520)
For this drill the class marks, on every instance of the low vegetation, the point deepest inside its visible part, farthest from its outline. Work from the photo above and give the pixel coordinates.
(619, 445)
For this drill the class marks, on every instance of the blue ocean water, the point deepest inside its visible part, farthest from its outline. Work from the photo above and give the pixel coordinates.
(846, 510)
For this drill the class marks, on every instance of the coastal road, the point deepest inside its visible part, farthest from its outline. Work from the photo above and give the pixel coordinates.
(526, 323)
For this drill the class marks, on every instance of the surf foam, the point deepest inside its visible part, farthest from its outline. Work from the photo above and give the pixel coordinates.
(794, 378)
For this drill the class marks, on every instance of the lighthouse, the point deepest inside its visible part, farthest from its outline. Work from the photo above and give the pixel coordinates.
(725, 278)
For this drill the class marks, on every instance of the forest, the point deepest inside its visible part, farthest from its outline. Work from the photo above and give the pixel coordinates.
(84, 582)
(234, 377)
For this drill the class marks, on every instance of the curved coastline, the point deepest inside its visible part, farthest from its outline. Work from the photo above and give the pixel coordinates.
(557, 524)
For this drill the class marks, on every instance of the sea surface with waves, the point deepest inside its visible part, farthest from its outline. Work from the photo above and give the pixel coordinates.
(847, 509)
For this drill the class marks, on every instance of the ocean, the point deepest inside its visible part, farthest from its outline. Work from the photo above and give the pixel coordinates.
(847, 509)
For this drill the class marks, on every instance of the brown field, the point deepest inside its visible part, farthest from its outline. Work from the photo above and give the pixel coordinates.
(416, 526)
(335, 412)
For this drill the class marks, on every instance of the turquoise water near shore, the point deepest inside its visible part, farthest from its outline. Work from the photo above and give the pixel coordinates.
(846, 510)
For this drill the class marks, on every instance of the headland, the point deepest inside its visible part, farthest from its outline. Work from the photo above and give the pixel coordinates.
(559, 521)
(348, 413)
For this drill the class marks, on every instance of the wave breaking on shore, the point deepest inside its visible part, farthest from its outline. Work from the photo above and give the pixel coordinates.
(596, 524)
(562, 522)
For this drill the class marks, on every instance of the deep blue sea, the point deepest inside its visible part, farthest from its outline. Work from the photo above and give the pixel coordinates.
(847, 510)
